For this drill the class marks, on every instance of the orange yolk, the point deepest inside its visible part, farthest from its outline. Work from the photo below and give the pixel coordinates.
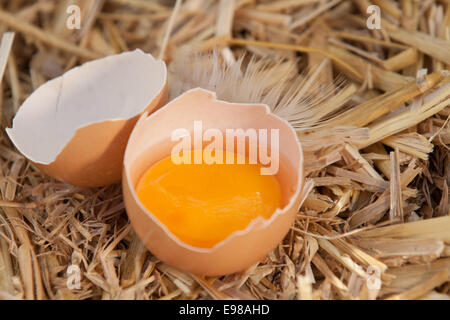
(202, 204)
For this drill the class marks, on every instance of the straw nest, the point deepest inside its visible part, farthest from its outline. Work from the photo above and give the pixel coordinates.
(374, 223)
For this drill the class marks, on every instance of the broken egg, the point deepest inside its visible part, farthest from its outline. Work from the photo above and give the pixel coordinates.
(75, 127)
(212, 187)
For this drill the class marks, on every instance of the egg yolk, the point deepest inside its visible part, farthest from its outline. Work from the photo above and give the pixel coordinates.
(202, 204)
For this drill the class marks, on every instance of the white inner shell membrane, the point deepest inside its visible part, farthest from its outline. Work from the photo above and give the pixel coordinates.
(116, 87)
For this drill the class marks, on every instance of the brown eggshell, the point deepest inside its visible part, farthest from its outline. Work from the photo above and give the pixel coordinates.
(99, 162)
(104, 98)
(150, 141)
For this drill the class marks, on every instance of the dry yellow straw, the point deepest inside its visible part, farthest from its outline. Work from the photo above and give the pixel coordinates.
(293, 48)
(36, 33)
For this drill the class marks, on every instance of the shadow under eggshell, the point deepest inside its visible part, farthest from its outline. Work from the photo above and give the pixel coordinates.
(147, 145)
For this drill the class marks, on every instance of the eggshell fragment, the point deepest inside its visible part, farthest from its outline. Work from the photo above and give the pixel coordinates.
(75, 127)
(151, 141)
